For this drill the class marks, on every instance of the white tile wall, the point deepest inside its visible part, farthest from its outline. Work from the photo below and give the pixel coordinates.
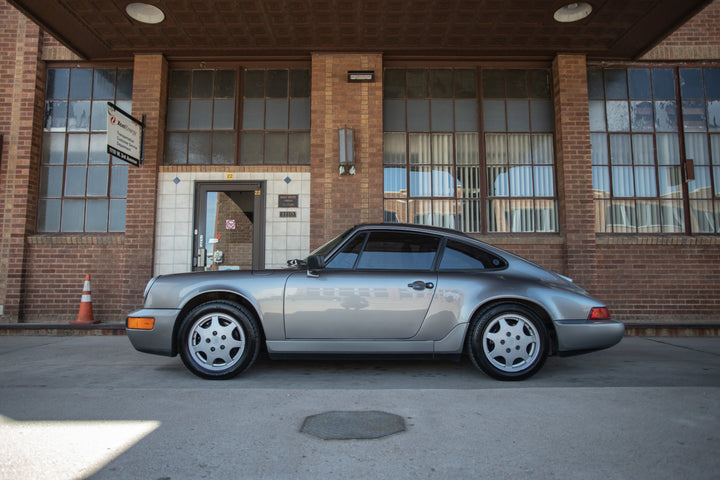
(285, 238)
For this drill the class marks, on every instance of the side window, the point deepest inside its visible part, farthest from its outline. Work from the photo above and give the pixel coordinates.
(461, 256)
(398, 251)
(347, 257)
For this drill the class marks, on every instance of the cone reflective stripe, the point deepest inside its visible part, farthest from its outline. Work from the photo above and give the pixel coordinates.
(85, 315)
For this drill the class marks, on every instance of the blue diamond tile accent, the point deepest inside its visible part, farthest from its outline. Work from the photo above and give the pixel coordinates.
(288, 179)
(176, 180)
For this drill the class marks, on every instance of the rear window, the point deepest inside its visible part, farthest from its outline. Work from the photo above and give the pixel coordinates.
(398, 251)
(461, 256)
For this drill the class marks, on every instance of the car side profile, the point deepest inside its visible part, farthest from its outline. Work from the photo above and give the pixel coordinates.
(385, 289)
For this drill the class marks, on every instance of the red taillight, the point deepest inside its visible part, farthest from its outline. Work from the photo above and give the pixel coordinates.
(599, 313)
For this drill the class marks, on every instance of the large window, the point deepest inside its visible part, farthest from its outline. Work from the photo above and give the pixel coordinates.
(446, 167)
(655, 136)
(82, 189)
(251, 117)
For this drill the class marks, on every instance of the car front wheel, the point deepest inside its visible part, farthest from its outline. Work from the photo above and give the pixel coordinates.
(508, 342)
(218, 340)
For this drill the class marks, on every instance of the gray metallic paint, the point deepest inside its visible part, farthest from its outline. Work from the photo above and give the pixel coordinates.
(302, 314)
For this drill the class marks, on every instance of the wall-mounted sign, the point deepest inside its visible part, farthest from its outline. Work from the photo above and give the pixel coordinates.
(288, 214)
(125, 135)
(287, 201)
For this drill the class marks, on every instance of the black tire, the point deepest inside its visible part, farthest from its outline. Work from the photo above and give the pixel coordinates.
(219, 339)
(508, 342)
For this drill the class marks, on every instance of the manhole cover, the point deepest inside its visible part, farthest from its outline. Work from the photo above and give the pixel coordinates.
(353, 425)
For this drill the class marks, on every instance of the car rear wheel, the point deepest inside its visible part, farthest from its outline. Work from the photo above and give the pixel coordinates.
(218, 340)
(508, 342)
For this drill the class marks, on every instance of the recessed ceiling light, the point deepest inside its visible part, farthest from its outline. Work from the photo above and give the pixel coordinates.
(145, 13)
(572, 12)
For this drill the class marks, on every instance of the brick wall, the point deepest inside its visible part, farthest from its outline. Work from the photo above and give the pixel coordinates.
(340, 201)
(697, 39)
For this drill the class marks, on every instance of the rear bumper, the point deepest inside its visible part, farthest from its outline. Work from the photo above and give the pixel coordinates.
(583, 335)
(159, 340)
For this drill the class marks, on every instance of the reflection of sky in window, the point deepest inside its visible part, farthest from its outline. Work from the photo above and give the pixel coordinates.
(211, 213)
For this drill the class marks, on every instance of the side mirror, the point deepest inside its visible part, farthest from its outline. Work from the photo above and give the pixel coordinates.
(315, 263)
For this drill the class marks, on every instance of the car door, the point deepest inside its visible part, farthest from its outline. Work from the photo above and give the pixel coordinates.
(379, 286)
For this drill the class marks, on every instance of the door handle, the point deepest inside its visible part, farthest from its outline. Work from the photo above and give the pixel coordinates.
(420, 285)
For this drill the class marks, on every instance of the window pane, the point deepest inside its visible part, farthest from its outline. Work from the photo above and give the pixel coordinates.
(641, 116)
(596, 89)
(494, 115)
(58, 82)
(443, 179)
(56, 115)
(663, 80)
(49, 215)
(615, 84)
(119, 181)
(201, 114)
(417, 84)
(516, 82)
(542, 116)
(493, 83)
(645, 182)
(277, 83)
(178, 114)
(691, 83)
(254, 83)
(300, 83)
(51, 181)
(418, 115)
(442, 115)
(599, 147)
(497, 178)
(53, 148)
(465, 83)
(713, 115)
(469, 216)
(394, 149)
(124, 84)
(179, 84)
(78, 116)
(224, 115)
(251, 149)
(96, 212)
(521, 181)
(468, 182)
(441, 83)
(78, 149)
(117, 216)
(495, 149)
(395, 182)
(712, 83)
(623, 185)
(543, 150)
(597, 116)
(253, 115)
(639, 80)
(299, 149)
(601, 182)
(694, 116)
(199, 148)
(620, 150)
(276, 148)
(467, 150)
(419, 145)
(202, 83)
(99, 116)
(544, 181)
(420, 182)
(668, 149)
(643, 150)
(394, 83)
(519, 149)
(394, 115)
(75, 181)
(104, 84)
(276, 114)
(97, 183)
(518, 116)
(223, 148)
(81, 83)
(398, 252)
(300, 114)
(539, 83)
(617, 116)
(225, 84)
(73, 214)
(176, 148)
(466, 116)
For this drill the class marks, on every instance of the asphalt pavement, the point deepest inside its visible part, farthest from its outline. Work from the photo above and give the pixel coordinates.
(93, 407)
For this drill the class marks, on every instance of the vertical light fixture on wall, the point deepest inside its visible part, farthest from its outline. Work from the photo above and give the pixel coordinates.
(347, 154)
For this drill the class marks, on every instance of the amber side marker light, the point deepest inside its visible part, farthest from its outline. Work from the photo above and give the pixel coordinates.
(599, 313)
(140, 323)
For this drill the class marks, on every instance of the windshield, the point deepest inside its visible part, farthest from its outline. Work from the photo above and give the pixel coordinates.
(327, 248)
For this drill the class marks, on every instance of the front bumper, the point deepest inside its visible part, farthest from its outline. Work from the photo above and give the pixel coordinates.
(159, 340)
(586, 335)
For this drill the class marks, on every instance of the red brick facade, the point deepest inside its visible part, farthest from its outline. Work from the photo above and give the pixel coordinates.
(644, 278)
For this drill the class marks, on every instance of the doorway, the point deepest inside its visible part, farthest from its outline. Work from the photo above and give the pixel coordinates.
(229, 228)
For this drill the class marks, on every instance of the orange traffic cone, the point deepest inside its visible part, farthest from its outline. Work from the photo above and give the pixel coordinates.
(85, 315)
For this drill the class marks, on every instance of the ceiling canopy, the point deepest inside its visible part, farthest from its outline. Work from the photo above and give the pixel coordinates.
(614, 29)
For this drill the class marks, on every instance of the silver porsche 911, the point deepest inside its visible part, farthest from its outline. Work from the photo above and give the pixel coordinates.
(394, 290)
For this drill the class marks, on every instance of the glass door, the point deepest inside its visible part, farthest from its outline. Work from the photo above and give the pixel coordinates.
(229, 226)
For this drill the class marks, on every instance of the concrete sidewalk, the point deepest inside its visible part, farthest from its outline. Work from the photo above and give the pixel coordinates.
(92, 407)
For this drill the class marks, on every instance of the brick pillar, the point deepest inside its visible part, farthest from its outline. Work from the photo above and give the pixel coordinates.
(150, 75)
(572, 127)
(21, 125)
(340, 201)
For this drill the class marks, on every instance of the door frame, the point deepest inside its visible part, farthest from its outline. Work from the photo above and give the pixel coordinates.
(200, 209)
